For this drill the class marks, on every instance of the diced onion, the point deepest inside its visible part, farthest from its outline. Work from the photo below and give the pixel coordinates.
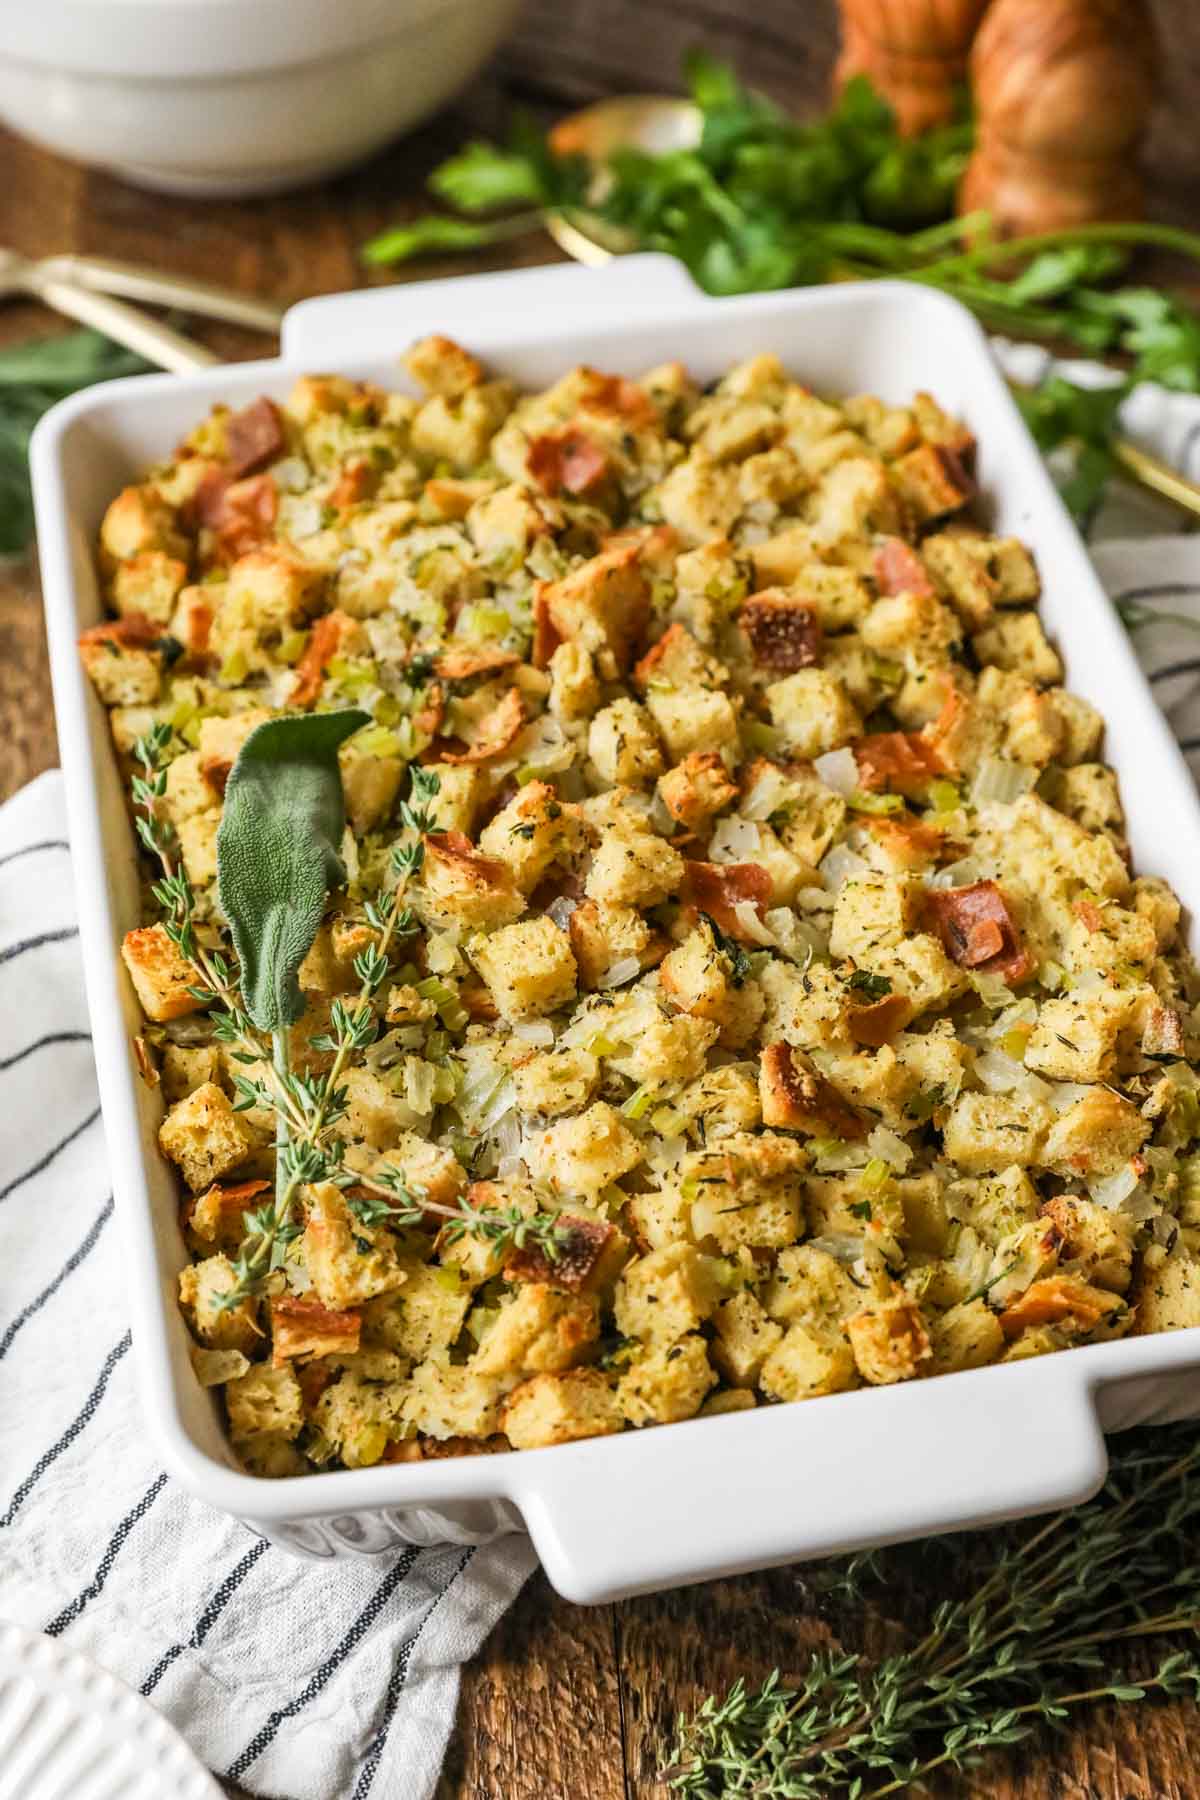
(840, 866)
(1001, 781)
(839, 771)
(617, 974)
(769, 791)
(560, 910)
(534, 1031)
(1088, 981)
(1111, 1191)
(291, 474)
(1033, 1088)
(734, 840)
(840, 1245)
(746, 914)
(1065, 1094)
(999, 1073)
(958, 874)
(890, 1148)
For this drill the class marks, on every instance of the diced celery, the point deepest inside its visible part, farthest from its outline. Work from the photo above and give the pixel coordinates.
(878, 804)
(234, 669)
(944, 796)
(875, 1175)
(292, 647)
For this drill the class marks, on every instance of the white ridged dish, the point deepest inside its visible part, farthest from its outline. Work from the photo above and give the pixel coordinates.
(71, 1731)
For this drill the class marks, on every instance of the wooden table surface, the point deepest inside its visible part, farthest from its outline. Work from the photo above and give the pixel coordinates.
(563, 1703)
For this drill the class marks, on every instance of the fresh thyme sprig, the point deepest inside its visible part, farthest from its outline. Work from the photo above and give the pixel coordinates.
(1035, 1639)
(504, 1227)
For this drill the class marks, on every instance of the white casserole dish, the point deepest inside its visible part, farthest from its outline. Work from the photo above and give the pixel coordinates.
(653, 1508)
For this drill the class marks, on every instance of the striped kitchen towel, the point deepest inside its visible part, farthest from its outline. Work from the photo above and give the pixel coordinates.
(303, 1681)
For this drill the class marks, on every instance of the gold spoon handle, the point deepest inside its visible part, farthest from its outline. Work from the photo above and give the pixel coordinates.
(1153, 473)
(129, 281)
(124, 324)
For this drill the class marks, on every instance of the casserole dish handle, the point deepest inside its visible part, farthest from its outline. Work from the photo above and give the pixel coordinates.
(657, 1508)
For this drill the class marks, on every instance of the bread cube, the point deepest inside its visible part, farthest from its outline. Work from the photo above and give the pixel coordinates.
(583, 1154)
(693, 719)
(872, 913)
(559, 1409)
(1109, 938)
(138, 520)
(748, 1191)
(441, 366)
(995, 1131)
(932, 482)
(1096, 1136)
(348, 1262)
(996, 1205)
(813, 712)
(542, 1330)
(633, 868)
(532, 834)
(603, 606)
(1165, 1295)
(204, 1137)
(362, 1412)
(699, 978)
(458, 887)
(123, 661)
(556, 1081)
(623, 744)
(602, 936)
(809, 1286)
(160, 975)
(202, 1287)
(803, 1365)
(667, 1293)
(183, 1068)
(528, 968)
(700, 498)
(574, 689)
(303, 1327)
(744, 1338)
(424, 1315)
(667, 1385)
(696, 789)
(459, 430)
(889, 1341)
(1075, 1038)
(447, 1400)
(967, 1336)
(264, 1401)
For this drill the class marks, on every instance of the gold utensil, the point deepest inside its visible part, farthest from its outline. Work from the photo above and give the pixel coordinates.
(129, 281)
(147, 337)
(658, 122)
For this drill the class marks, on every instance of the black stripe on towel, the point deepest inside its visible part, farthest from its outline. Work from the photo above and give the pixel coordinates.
(35, 943)
(1163, 590)
(104, 1567)
(31, 849)
(43, 1043)
(20, 1180)
(1190, 440)
(69, 1267)
(395, 1687)
(1187, 745)
(329, 1667)
(1189, 666)
(208, 1617)
(70, 1434)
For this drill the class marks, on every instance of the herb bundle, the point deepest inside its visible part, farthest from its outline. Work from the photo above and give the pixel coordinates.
(1038, 1636)
(763, 202)
(278, 860)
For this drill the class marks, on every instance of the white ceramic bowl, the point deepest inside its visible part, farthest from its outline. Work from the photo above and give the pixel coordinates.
(654, 1508)
(234, 97)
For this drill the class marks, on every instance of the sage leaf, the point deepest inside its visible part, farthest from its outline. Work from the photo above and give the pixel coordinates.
(278, 853)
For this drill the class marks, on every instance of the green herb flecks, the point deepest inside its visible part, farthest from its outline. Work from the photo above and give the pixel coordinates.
(392, 1200)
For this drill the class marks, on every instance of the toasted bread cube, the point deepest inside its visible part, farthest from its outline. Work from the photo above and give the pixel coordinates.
(273, 588)
(441, 366)
(803, 1365)
(161, 977)
(1068, 1309)
(1165, 1294)
(423, 1316)
(873, 913)
(265, 1401)
(148, 584)
(744, 1338)
(434, 1173)
(748, 1192)
(587, 1257)
(1095, 1136)
(532, 834)
(202, 1287)
(204, 1137)
(1109, 938)
(449, 1400)
(303, 1327)
(604, 935)
(699, 979)
(582, 1155)
(348, 1262)
(460, 887)
(932, 482)
(693, 719)
(217, 1217)
(1097, 1243)
(559, 1409)
(603, 606)
(542, 1330)
(374, 1114)
(700, 498)
(528, 968)
(1016, 641)
(667, 1293)
(633, 868)
(556, 1081)
(1153, 900)
(808, 1286)
(814, 712)
(667, 1385)
(370, 785)
(795, 1096)
(362, 1412)
(139, 519)
(995, 1131)
(123, 663)
(1075, 1038)
(967, 1336)
(574, 689)
(855, 497)
(184, 1068)
(458, 430)
(696, 789)
(623, 744)
(889, 1341)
